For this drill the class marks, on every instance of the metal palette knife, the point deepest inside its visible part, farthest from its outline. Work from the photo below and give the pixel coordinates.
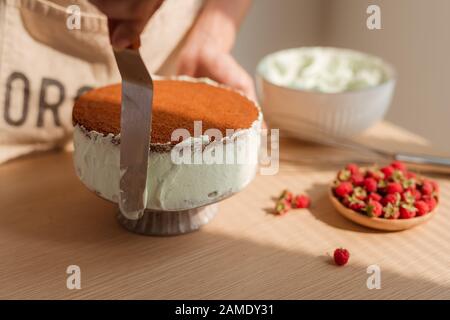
(135, 122)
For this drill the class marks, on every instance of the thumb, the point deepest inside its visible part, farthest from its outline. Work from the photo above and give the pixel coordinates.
(124, 33)
(232, 74)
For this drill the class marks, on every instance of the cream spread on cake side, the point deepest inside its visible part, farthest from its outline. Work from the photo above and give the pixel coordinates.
(170, 186)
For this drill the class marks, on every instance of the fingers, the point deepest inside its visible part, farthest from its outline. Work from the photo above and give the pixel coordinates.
(129, 9)
(220, 67)
(187, 64)
(226, 70)
(127, 19)
(125, 33)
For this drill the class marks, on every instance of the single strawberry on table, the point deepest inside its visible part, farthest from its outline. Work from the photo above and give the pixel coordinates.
(282, 207)
(341, 256)
(301, 201)
(286, 195)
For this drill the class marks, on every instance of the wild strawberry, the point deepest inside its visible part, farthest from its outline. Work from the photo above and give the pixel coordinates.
(353, 168)
(356, 204)
(399, 166)
(374, 208)
(370, 184)
(343, 189)
(409, 184)
(387, 171)
(394, 187)
(408, 197)
(391, 212)
(341, 256)
(427, 188)
(301, 201)
(393, 198)
(407, 211)
(360, 193)
(435, 185)
(422, 207)
(410, 175)
(282, 207)
(375, 174)
(357, 179)
(344, 175)
(286, 195)
(397, 176)
(375, 197)
(416, 193)
(430, 201)
(346, 201)
(382, 184)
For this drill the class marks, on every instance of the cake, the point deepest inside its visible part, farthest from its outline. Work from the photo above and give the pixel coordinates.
(172, 185)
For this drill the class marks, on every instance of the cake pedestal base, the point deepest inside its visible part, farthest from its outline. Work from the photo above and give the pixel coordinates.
(169, 223)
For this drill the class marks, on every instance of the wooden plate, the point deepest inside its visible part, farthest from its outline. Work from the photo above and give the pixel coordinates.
(379, 223)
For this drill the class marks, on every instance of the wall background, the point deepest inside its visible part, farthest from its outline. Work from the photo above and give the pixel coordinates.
(415, 38)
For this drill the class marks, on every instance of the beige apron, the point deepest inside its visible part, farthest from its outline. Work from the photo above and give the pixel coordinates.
(44, 65)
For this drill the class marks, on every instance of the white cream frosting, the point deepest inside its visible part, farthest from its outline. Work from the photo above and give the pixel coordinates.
(324, 69)
(170, 186)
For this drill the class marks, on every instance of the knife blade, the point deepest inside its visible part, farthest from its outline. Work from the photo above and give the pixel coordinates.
(135, 122)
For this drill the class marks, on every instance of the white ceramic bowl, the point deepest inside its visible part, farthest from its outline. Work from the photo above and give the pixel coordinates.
(314, 114)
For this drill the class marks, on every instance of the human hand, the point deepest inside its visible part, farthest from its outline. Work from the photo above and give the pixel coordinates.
(126, 19)
(219, 66)
(206, 52)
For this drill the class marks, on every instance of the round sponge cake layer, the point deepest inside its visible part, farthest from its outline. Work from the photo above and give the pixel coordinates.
(176, 104)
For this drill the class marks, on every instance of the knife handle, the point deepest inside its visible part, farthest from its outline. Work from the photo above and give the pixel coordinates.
(426, 162)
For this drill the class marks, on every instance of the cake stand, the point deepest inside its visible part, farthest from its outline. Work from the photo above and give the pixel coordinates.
(169, 223)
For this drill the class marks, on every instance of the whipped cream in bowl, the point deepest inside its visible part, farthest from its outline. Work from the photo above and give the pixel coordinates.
(311, 92)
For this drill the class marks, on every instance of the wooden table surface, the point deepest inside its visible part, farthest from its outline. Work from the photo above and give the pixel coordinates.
(49, 220)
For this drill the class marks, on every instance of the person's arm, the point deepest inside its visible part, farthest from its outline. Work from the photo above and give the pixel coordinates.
(206, 52)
